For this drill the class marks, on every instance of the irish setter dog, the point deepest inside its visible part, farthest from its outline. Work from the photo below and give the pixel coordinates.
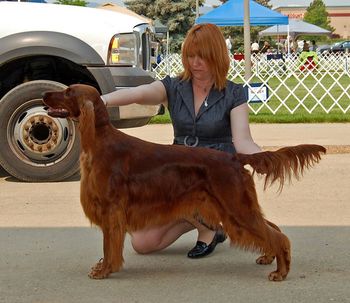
(128, 184)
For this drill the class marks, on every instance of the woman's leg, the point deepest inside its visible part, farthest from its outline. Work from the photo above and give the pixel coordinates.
(157, 238)
(205, 234)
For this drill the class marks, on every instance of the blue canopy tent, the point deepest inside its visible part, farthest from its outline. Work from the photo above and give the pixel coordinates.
(231, 13)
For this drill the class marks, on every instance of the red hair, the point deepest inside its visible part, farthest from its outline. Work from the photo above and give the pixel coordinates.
(207, 42)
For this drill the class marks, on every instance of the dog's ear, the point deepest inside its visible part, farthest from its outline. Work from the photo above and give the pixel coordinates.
(87, 105)
(87, 112)
(87, 119)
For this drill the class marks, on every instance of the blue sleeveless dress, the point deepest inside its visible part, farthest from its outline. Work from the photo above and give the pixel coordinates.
(211, 127)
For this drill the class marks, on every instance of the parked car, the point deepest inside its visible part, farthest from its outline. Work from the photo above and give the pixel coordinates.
(340, 47)
(323, 49)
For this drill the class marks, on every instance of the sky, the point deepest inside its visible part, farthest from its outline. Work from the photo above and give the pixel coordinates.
(212, 2)
(217, 2)
(274, 3)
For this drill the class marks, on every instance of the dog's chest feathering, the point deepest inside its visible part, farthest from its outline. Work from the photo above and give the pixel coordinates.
(88, 199)
(85, 161)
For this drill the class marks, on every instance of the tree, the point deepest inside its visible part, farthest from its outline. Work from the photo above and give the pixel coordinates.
(142, 7)
(317, 14)
(72, 2)
(178, 15)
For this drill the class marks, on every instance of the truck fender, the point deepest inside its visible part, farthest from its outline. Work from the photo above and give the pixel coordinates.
(48, 43)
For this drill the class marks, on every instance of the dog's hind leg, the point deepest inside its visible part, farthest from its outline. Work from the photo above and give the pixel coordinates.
(267, 258)
(262, 238)
(113, 228)
(281, 247)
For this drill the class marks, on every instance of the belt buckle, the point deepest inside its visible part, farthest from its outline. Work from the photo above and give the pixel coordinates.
(191, 145)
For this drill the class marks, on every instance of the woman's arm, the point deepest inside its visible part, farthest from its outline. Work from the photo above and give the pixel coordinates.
(147, 94)
(242, 138)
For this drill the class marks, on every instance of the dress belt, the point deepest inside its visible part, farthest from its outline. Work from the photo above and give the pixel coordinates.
(194, 141)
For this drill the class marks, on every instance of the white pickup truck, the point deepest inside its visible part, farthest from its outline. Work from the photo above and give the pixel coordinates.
(48, 47)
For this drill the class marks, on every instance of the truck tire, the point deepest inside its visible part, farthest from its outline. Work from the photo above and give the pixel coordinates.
(35, 147)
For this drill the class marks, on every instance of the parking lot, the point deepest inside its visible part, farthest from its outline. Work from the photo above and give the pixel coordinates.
(48, 246)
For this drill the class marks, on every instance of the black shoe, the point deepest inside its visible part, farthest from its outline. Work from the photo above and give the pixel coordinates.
(203, 249)
(220, 236)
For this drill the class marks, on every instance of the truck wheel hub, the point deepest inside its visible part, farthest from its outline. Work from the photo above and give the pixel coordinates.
(39, 136)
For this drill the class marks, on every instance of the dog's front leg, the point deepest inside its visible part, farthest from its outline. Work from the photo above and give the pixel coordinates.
(113, 228)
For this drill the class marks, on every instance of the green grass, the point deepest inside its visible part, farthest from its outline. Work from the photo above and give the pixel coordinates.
(161, 119)
(281, 98)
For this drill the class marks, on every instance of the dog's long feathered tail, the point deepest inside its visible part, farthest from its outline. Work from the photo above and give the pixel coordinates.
(284, 163)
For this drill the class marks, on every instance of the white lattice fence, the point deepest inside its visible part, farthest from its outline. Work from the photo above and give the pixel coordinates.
(284, 84)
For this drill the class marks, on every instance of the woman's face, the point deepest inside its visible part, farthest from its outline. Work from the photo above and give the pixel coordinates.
(199, 68)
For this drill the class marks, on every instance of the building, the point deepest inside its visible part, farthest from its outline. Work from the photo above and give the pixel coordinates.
(338, 11)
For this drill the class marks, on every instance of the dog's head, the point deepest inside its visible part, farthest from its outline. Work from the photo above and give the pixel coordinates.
(71, 101)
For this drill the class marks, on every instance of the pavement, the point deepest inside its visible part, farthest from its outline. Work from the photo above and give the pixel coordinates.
(47, 246)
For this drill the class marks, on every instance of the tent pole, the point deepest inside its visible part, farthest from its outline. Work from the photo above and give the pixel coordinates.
(247, 48)
(278, 40)
(288, 42)
(167, 53)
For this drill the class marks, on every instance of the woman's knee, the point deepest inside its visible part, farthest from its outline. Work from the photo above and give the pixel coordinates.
(158, 238)
(144, 242)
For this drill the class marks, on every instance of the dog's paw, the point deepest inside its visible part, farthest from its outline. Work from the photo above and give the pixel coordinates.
(264, 260)
(277, 276)
(99, 271)
(98, 265)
